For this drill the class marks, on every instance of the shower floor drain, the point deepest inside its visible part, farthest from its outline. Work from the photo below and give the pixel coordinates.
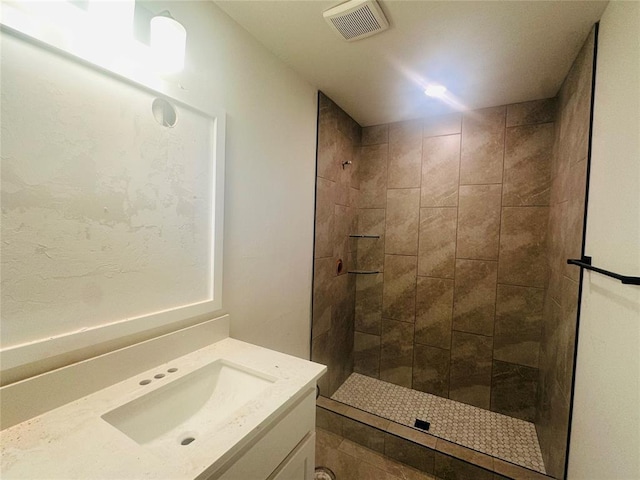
(323, 473)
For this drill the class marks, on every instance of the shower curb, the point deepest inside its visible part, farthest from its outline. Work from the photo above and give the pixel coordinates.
(412, 447)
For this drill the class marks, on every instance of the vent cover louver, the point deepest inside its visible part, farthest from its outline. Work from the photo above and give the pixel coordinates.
(356, 19)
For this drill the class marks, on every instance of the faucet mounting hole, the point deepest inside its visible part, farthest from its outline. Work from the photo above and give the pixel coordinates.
(187, 441)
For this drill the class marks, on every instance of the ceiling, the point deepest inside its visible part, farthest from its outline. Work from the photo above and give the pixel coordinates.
(486, 53)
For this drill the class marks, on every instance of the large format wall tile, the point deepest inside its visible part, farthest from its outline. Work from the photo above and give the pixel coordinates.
(431, 370)
(375, 135)
(440, 170)
(324, 218)
(327, 140)
(323, 275)
(529, 113)
(442, 125)
(482, 146)
(527, 165)
(366, 351)
(471, 369)
(474, 298)
(523, 252)
(368, 315)
(437, 242)
(574, 219)
(405, 154)
(518, 324)
(370, 251)
(399, 295)
(513, 390)
(396, 358)
(372, 170)
(479, 222)
(434, 309)
(402, 222)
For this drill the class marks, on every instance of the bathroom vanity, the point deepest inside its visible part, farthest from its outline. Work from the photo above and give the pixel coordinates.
(229, 410)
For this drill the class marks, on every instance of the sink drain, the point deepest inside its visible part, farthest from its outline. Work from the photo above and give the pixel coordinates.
(187, 441)
(324, 473)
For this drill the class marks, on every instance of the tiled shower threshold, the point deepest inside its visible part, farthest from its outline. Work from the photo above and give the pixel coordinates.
(493, 434)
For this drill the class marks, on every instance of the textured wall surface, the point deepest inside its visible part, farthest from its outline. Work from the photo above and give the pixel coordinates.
(566, 220)
(457, 310)
(336, 215)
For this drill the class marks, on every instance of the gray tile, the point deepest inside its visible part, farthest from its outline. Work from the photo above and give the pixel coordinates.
(375, 135)
(323, 274)
(523, 247)
(368, 310)
(513, 390)
(434, 311)
(518, 324)
(529, 113)
(470, 373)
(366, 354)
(481, 159)
(372, 170)
(431, 370)
(399, 293)
(410, 453)
(527, 169)
(329, 421)
(363, 434)
(440, 171)
(405, 154)
(475, 296)
(396, 359)
(479, 222)
(449, 468)
(370, 252)
(437, 242)
(442, 125)
(324, 218)
(402, 221)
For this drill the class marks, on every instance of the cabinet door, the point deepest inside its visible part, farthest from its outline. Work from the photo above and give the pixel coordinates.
(300, 464)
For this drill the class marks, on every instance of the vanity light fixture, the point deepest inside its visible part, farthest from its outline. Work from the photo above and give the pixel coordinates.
(168, 42)
(435, 90)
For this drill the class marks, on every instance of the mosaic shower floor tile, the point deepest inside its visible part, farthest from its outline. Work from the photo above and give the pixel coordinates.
(508, 438)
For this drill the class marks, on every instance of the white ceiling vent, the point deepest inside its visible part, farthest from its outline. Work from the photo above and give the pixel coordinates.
(356, 19)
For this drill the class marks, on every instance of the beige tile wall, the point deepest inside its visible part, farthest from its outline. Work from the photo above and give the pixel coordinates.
(461, 204)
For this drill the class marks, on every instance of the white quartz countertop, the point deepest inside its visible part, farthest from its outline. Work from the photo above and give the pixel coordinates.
(74, 442)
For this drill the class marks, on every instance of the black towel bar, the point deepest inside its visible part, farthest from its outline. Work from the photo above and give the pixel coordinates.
(585, 262)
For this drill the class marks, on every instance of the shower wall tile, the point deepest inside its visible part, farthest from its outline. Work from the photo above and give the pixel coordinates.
(410, 453)
(373, 176)
(399, 293)
(343, 221)
(405, 154)
(370, 251)
(431, 370)
(527, 165)
(482, 146)
(518, 324)
(530, 113)
(479, 222)
(440, 171)
(321, 353)
(402, 221)
(323, 275)
(366, 350)
(324, 218)
(437, 242)
(566, 333)
(474, 299)
(327, 161)
(442, 125)
(513, 390)
(574, 219)
(375, 135)
(368, 314)
(451, 468)
(434, 309)
(396, 357)
(523, 249)
(470, 374)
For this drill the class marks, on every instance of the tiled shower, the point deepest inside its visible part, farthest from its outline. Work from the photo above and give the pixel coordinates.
(462, 288)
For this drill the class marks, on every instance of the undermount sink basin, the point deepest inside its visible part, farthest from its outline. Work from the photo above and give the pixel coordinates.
(185, 408)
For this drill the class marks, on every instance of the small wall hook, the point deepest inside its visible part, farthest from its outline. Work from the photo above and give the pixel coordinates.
(344, 164)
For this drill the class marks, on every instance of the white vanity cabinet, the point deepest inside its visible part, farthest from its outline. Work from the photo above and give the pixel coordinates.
(285, 450)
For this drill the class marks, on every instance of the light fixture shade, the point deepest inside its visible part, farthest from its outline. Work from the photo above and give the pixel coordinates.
(168, 42)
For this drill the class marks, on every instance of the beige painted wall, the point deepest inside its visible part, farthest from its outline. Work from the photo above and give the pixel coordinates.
(605, 431)
(270, 171)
